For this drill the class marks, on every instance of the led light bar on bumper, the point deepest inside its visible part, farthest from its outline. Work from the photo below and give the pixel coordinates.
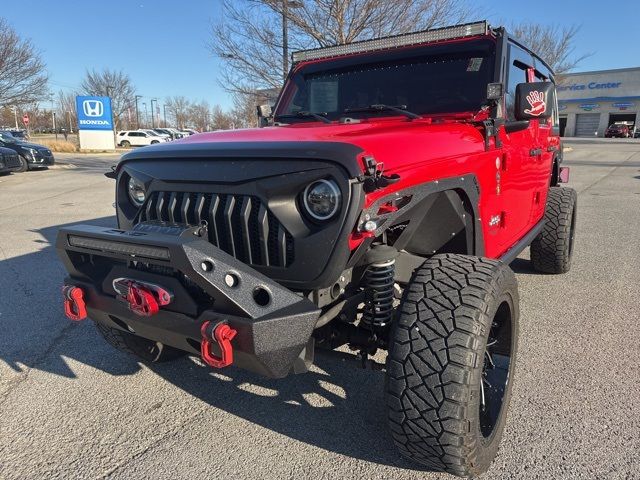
(426, 36)
(132, 249)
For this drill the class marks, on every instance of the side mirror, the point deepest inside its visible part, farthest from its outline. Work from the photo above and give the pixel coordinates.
(534, 100)
(264, 111)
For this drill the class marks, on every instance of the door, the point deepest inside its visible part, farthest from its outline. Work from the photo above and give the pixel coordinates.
(563, 125)
(547, 145)
(517, 173)
(587, 124)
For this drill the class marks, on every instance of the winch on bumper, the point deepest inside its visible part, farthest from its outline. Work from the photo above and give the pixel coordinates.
(153, 283)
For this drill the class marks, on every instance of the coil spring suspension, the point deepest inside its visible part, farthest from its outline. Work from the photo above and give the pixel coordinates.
(378, 282)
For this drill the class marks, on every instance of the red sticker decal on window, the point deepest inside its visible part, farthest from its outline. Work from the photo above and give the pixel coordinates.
(538, 105)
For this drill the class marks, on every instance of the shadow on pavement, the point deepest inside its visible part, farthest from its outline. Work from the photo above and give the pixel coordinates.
(32, 321)
(337, 406)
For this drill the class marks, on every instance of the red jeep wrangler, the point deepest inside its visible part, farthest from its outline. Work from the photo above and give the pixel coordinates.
(379, 208)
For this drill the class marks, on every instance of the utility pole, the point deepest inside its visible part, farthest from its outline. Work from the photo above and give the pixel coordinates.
(15, 115)
(285, 40)
(137, 112)
(153, 112)
(286, 5)
(69, 121)
(164, 114)
(53, 118)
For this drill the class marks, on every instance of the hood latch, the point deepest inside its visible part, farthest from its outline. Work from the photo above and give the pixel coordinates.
(374, 178)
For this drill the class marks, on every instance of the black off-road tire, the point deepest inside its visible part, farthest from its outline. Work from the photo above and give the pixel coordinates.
(552, 249)
(147, 350)
(437, 363)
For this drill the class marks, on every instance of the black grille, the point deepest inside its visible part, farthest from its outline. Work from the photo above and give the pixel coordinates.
(241, 225)
(11, 161)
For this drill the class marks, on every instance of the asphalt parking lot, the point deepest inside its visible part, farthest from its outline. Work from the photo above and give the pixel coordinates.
(72, 407)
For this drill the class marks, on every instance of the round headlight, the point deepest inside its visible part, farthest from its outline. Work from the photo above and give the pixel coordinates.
(321, 199)
(137, 192)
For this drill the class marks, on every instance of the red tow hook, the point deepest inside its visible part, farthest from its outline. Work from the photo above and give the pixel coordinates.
(74, 307)
(222, 334)
(142, 301)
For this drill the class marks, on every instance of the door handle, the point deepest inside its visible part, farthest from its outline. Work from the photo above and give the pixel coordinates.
(535, 152)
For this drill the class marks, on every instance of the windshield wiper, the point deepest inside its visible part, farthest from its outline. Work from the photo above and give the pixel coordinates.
(322, 116)
(379, 107)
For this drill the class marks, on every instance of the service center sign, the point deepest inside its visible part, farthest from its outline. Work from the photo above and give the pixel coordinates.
(94, 113)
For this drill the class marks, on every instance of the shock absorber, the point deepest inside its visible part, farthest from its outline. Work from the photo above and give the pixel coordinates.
(378, 284)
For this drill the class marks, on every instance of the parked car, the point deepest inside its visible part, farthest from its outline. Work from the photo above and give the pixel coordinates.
(351, 222)
(174, 134)
(20, 134)
(137, 138)
(177, 133)
(618, 130)
(189, 131)
(9, 161)
(31, 155)
(636, 132)
(153, 133)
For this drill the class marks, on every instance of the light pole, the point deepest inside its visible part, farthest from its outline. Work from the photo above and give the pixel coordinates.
(113, 123)
(137, 113)
(15, 115)
(53, 118)
(164, 114)
(153, 112)
(146, 113)
(286, 5)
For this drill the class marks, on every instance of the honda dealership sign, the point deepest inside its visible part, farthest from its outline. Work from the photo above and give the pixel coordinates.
(94, 113)
(95, 123)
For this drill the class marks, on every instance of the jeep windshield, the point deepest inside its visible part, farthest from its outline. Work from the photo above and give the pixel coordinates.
(436, 79)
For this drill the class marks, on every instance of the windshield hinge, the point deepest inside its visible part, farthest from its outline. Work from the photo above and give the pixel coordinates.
(374, 179)
(492, 129)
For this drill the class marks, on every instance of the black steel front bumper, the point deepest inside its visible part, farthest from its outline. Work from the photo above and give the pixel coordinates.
(274, 324)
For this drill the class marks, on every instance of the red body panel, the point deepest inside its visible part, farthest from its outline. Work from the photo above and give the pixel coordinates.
(513, 183)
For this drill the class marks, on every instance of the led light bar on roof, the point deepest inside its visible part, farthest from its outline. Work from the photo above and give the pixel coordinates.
(426, 36)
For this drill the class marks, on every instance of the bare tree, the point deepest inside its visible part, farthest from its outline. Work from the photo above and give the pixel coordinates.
(250, 40)
(67, 110)
(552, 43)
(221, 120)
(23, 78)
(200, 116)
(179, 108)
(244, 109)
(114, 84)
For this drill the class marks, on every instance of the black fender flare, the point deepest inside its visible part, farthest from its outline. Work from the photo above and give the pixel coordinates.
(413, 206)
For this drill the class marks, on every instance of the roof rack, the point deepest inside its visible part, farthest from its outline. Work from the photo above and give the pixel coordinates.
(395, 41)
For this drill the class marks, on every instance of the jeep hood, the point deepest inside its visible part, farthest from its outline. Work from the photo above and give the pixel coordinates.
(398, 144)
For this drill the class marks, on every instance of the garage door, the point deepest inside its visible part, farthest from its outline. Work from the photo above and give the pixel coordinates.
(587, 124)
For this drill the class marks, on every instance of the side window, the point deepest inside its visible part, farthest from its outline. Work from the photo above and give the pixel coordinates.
(517, 74)
(519, 61)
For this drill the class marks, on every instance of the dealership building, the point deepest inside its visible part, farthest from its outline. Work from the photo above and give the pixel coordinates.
(591, 101)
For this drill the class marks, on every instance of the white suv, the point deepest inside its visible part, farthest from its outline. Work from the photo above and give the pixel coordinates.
(137, 138)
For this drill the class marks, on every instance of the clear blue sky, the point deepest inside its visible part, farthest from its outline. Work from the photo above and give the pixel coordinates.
(161, 44)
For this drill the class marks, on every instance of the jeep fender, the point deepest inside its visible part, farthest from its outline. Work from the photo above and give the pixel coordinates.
(436, 217)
